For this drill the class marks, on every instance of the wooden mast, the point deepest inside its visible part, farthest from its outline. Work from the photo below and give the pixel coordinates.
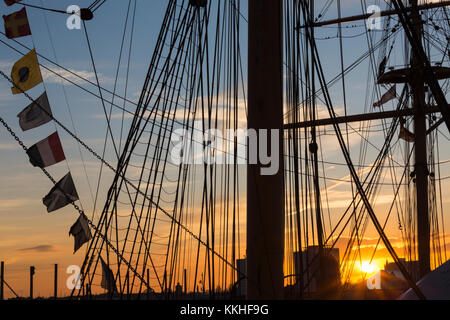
(265, 194)
(417, 83)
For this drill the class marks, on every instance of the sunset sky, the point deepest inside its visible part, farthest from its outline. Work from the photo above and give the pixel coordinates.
(31, 236)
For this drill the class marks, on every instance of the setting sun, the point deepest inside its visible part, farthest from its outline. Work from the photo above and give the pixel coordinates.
(368, 267)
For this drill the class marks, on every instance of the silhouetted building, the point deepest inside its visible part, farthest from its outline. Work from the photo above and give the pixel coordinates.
(411, 266)
(380, 286)
(241, 266)
(390, 283)
(328, 277)
(178, 290)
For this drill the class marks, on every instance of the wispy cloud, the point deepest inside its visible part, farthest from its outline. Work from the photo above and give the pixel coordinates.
(77, 76)
(41, 248)
(114, 116)
(8, 147)
(7, 204)
(6, 65)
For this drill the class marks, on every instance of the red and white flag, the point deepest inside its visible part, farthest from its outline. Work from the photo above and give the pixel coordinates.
(388, 96)
(47, 152)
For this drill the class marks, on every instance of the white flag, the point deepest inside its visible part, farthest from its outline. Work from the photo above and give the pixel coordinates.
(36, 114)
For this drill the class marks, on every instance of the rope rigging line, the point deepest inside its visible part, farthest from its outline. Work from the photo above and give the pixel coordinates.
(167, 218)
(119, 174)
(371, 184)
(304, 77)
(112, 101)
(81, 212)
(363, 153)
(96, 5)
(350, 164)
(138, 136)
(45, 9)
(10, 288)
(67, 103)
(335, 79)
(125, 100)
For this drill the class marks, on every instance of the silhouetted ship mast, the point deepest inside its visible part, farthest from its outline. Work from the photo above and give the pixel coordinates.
(419, 75)
(174, 218)
(187, 70)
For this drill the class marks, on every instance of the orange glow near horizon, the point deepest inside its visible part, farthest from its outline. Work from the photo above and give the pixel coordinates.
(368, 267)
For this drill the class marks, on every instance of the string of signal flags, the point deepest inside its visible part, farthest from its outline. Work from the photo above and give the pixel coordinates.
(26, 75)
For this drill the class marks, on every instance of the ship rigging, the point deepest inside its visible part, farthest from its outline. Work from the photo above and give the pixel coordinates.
(222, 230)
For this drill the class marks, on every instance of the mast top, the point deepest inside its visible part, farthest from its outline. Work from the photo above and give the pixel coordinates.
(404, 75)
